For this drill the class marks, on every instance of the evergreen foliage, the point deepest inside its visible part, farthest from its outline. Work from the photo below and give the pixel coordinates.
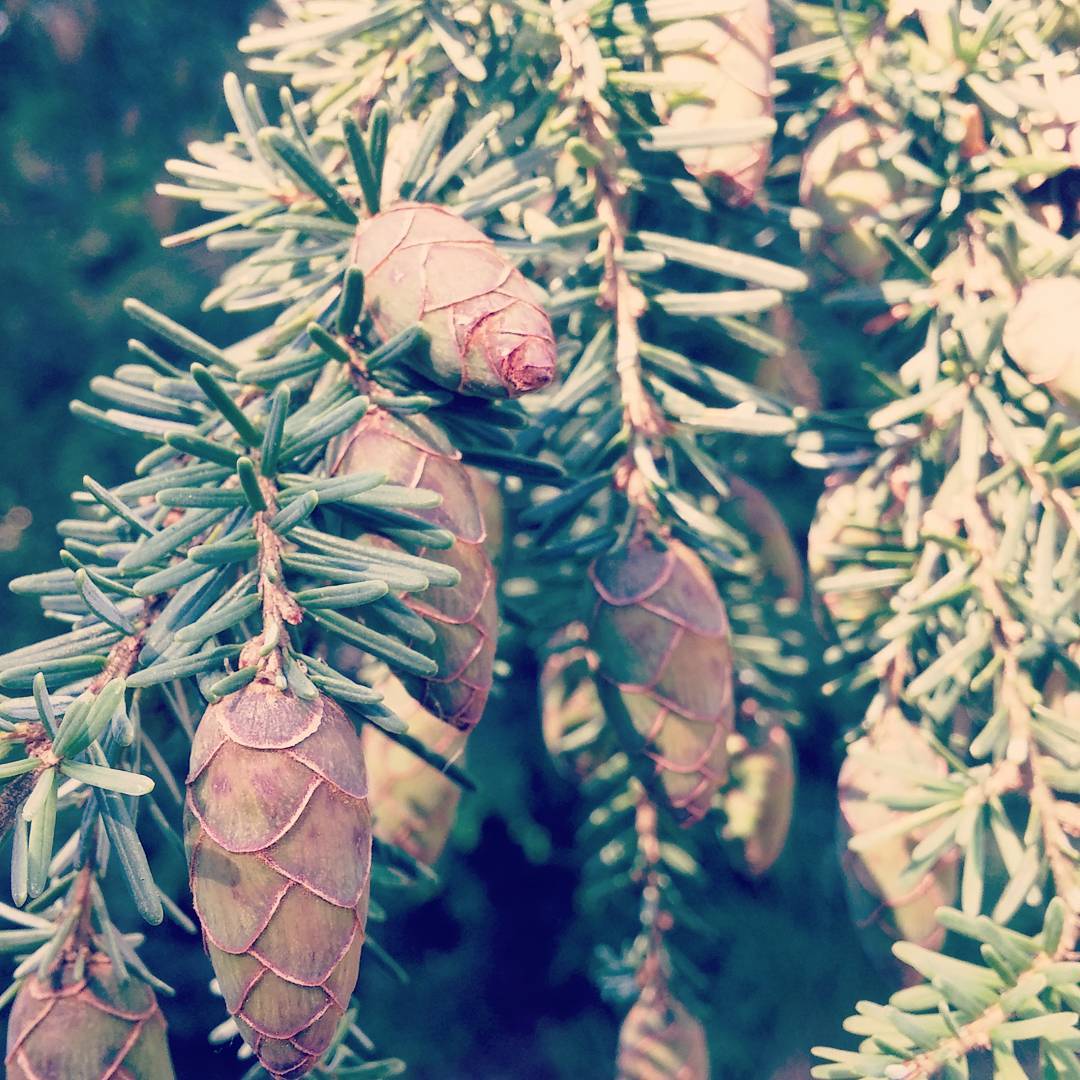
(651, 207)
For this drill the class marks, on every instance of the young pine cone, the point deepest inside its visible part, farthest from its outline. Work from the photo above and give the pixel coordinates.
(852, 516)
(884, 904)
(423, 264)
(87, 1025)
(661, 634)
(660, 1040)
(278, 834)
(573, 726)
(1040, 336)
(415, 454)
(413, 802)
(847, 182)
(724, 67)
(760, 803)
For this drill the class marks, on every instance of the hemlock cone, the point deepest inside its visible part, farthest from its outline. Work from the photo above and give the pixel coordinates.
(661, 634)
(760, 803)
(723, 68)
(852, 516)
(886, 903)
(571, 713)
(846, 181)
(413, 803)
(660, 1040)
(278, 833)
(424, 264)
(464, 617)
(86, 1024)
(1041, 337)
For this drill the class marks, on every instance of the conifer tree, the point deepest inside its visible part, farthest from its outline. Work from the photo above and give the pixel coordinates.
(526, 274)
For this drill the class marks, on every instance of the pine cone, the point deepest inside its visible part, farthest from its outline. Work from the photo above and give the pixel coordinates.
(86, 1026)
(852, 515)
(465, 617)
(572, 715)
(727, 60)
(1040, 336)
(777, 553)
(846, 181)
(414, 803)
(760, 803)
(278, 834)
(660, 1040)
(423, 264)
(884, 905)
(661, 633)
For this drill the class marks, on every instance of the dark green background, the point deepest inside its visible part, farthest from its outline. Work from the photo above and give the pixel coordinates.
(93, 98)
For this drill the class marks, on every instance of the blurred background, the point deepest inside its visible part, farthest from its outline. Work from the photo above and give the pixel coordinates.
(93, 98)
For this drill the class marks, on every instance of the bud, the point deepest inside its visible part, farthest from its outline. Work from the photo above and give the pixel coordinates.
(86, 1025)
(724, 69)
(423, 264)
(846, 181)
(413, 802)
(415, 453)
(1041, 338)
(278, 834)
(884, 904)
(660, 1040)
(661, 634)
(759, 804)
(571, 712)
(852, 516)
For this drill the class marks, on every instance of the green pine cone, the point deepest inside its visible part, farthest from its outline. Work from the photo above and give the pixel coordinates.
(760, 803)
(278, 834)
(660, 1040)
(423, 264)
(572, 715)
(414, 803)
(852, 517)
(723, 68)
(86, 1026)
(885, 904)
(662, 637)
(1040, 336)
(465, 617)
(845, 180)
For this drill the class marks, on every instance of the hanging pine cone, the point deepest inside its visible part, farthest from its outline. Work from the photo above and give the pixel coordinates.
(278, 834)
(86, 1025)
(884, 904)
(724, 69)
(847, 182)
(572, 716)
(661, 634)
(1041, 338)
(423, 264)
(761, 800)
(415, 454)
(853, 515)
(413, 802)
(777, 554)
(660, 1040)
